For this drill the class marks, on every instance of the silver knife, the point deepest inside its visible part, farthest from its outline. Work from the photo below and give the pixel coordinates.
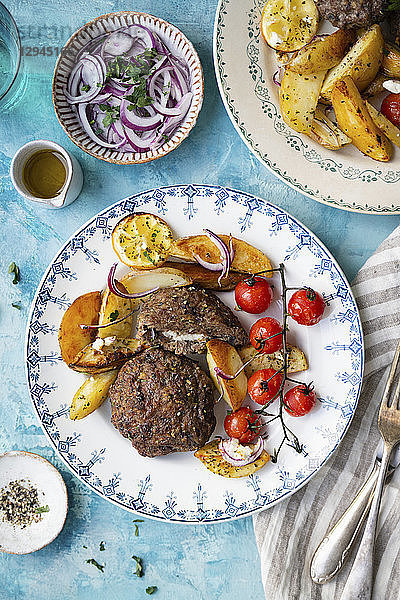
(332, 552)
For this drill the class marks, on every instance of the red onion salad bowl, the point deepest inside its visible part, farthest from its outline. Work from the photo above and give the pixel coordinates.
(128, 87)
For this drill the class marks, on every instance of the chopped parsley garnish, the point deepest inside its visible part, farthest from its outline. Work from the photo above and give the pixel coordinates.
(135, 74)
(139, 566)
(43, 509)
(85, 88)
(114, 315)
(93, 561)
(112, 114)
(136, 526)
(151, 589)
(13, 269)
(102, 546)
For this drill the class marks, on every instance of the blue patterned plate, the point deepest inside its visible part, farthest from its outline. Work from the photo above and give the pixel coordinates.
(244, 67)
(178, 487)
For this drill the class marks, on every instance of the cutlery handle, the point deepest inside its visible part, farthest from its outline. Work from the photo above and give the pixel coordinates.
(332, 552)
(359, 581)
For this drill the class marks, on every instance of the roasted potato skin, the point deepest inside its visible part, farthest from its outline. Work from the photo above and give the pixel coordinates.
(112, 354)
(226, 357)
(247, 259)
(207, 279)
(112, 309)
(91, 394)
(361, 63)
(321, 54)
(212, 458)
(71, 337)
(355, 121)
(298, 99)
(297, 360)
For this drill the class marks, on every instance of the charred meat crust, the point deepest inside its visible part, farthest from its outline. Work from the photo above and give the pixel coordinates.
(184, 319)
(163, 403)
(348, 14)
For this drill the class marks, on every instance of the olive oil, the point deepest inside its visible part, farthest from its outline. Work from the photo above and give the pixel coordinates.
(44, 174)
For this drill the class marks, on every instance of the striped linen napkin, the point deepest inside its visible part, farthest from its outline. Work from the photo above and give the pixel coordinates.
(288, 534)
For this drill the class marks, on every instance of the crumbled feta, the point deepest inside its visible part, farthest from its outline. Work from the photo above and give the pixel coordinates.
(236, 450)
(187, 337)
(392, 86)
(98, 344)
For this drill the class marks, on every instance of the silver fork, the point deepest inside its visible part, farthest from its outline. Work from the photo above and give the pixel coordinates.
(359, 583)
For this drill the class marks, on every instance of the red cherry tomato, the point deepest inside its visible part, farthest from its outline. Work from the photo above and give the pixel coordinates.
(253, 295)
(266, 335)
(243, 425)
(299, 400)
(391, 108)
(306, 307)
(264, 385)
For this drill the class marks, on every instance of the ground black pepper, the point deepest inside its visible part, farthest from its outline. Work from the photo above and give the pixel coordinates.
(19, 504)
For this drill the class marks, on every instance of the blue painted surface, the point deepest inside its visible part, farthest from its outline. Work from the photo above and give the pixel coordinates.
(197, 562)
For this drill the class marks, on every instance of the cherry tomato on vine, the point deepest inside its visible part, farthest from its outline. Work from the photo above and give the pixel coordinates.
(264, 385)
(306, 307)
(391, 108)
(243, 424)
(266, 335)
(299, 400)
(253, 295)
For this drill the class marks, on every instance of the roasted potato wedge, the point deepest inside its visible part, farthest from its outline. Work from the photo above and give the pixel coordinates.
(355, 121)
(162, 277)
(361, 63)
(298, 99)
(321, 54)
(71, 337)
(112, 309)
(223, 355)
(142, 240)
(391, 61)
(212, 458)
(91, 394)
(326, 133)
(297, 360)
(392, 132)
(105, 354)
(287, 25)
(206, 278)
(247, 258)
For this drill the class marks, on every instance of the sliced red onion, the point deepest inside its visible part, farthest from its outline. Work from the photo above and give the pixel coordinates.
(276, 78)
(117, 43)
(134, 121)
(97, 326)
(168, 84)
(112, 285)
(208, 265)
(86, 126)
(257, 450)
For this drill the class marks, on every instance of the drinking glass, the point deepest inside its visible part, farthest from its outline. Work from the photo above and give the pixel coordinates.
(10, 54)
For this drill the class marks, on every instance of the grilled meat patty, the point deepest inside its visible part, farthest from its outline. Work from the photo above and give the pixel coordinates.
(183, 319)
(347, 14)
(163, 403)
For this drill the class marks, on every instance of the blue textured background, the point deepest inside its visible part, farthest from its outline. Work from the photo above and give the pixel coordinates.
(197, 562)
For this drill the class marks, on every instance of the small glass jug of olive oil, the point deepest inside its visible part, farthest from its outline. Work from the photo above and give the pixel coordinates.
(42, 171)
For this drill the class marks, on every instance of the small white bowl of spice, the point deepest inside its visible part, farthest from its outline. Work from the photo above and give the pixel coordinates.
(33, 502)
